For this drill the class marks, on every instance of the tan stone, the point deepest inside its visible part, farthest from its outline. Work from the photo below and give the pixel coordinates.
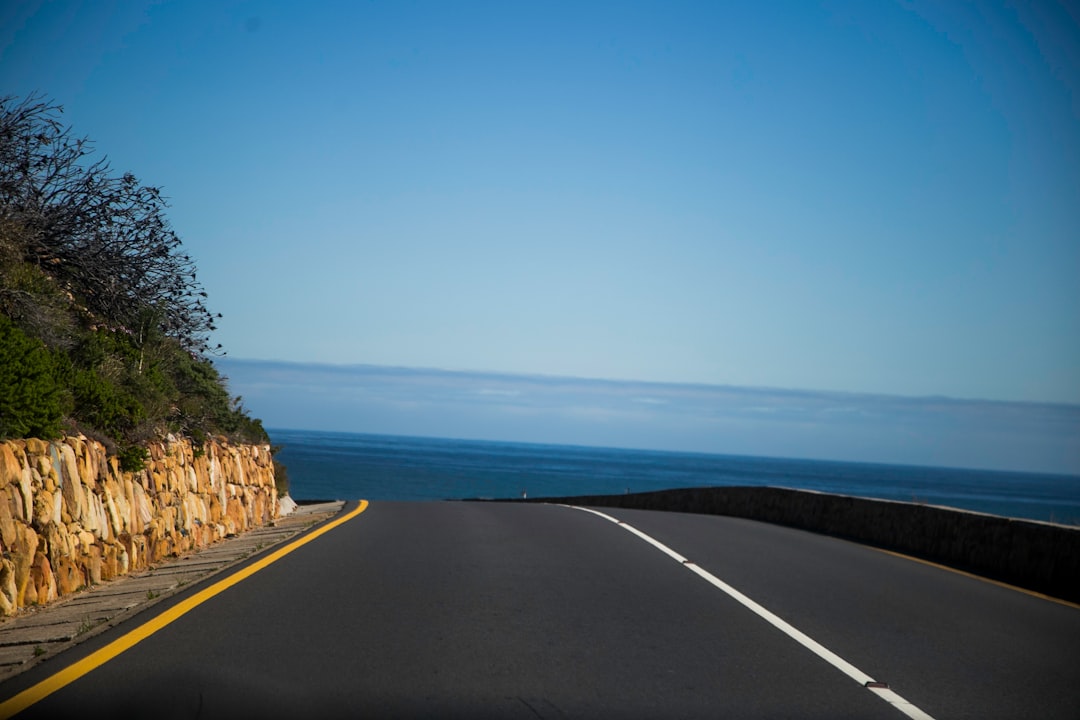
(97, 518)
(26, 488)
(202, 470)
(132, 508)
(42, 580)
(55, 539)
(69, 577)
(143, 513)
(109, 566)
(260, 509)
(10, 469)
(17, 502)
(217, 480)
(114, 505)
(30, 593)
(89, 516)
(90, 460)
(68, 463)
(83, 472)
(8, 593)
(22, 554)
(8, 518)
(68, 517)
(74, 496)
(154, 534)
(43, 509)
(93, 564)
(137, 549)
(35, 446)
(86, 541)
(123, 560)
(43, 465)
(236, 519)
(58, 506)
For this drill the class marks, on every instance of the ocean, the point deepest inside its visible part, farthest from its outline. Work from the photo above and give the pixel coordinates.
(337, 465)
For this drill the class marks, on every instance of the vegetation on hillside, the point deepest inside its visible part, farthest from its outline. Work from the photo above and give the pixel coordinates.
(104, 328)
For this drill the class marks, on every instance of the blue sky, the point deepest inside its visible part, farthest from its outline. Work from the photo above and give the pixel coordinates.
(842, 197)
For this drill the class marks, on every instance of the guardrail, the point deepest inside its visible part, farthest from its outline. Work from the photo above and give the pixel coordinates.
(1038, 556)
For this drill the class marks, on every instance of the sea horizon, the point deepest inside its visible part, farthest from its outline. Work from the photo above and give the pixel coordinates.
(657, 450)
(325, 464)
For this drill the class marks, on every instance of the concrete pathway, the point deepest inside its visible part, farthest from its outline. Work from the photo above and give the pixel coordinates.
(39, 633)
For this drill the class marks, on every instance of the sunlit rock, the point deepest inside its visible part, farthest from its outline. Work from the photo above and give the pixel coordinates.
(69, 517)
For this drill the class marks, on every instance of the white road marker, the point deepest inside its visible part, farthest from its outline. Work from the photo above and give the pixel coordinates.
(776, 621)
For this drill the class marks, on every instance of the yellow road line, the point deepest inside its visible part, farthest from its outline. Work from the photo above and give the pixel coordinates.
(73, 672)
(1017, 588)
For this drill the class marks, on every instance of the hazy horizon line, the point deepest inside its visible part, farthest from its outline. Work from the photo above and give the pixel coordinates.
(932, 431)
(549, 377)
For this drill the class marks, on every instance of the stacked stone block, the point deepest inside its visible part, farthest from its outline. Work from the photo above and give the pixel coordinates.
(69, 517)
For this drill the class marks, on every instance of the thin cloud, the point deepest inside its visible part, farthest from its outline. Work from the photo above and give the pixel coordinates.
(718, 419)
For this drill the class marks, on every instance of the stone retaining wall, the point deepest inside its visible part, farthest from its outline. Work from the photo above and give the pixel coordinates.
(1039, 556)
(70, 518)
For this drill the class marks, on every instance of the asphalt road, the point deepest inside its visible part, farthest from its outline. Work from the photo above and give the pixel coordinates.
(474, 610)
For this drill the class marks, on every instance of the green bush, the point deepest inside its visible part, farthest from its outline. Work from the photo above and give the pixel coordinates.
(30, 399)
(281, 479)
(100, 404)
(133, 458)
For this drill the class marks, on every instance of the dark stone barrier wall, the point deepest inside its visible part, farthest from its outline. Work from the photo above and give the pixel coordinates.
(1039, 556)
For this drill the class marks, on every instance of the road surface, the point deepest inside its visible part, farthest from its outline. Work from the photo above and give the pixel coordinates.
(474, 610)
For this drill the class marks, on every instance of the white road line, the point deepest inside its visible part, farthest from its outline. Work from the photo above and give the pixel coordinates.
(791, 631)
